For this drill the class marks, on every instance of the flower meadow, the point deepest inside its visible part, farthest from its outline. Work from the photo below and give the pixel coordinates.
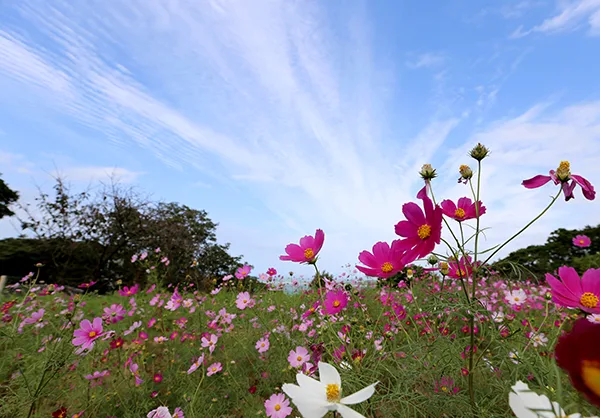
(452, 339)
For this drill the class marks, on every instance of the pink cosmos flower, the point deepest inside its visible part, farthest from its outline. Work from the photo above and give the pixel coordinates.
(422, 230)
(582, 241)
(278, 406)
(210, 341)
(298, 357)
(178, 413)
(160, 412)
(263, 345)
(335, 301)
(35, 317)
(213, 369)
(88, 333)
(129, 291)
(384, 261)
(199, 361)
(115, 313)
(464, 210)
(243, 272)
(572, 292)
(244, 301)
(308, 249)
(562, 176)
(461, 269)
(271, 271)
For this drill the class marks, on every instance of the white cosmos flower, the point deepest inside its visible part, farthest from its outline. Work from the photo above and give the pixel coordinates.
(314, 398)
(527, 404)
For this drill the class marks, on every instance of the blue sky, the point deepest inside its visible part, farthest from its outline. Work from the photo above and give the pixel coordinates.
(279, 117)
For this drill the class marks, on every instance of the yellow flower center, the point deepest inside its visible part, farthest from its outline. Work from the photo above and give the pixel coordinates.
(462, 273)
(589, 300)
(309, 253)
(516, 299)
(463, 167)
(459, 213)
(563, 171)
(277, 407)
(245, 301)
(581, 241)
(387, 267)
(590, 373)
(337, 303)
(424, 231)
(299, 358)
(92, 334)
(444, 389)
(333, 391)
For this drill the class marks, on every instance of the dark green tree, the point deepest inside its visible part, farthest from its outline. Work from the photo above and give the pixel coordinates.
(7, 198)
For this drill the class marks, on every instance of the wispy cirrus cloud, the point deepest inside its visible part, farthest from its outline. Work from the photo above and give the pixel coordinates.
(427, 60)
(571, 15)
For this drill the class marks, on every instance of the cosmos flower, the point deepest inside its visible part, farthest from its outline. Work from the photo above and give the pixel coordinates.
(422, 230)
(277, 406)
(315, 398)
(582, 241)
(298, 357)
(562, 176)
(572, 292)
(87, 333)
(335, 301)
(463, 210)
(308, 249)
(243, 272)
(384, 261)
(525, 403)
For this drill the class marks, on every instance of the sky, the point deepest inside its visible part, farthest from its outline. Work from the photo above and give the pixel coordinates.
(279, 117)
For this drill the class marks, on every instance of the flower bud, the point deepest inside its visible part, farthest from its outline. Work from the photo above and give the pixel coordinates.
(427, 172)
(479, 152)
(465, 173)
(432, 259)
(409, 273)
(444, 268)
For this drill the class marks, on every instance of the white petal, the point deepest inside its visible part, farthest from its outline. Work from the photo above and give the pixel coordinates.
(310, 384)
(293, 391)
(518, 407)
(360, 396)
(347, 412)
(329, 375)
(527, 404)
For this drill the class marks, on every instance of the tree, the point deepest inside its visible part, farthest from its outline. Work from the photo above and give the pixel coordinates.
(7, 197)
(107, 225)
(537, 260)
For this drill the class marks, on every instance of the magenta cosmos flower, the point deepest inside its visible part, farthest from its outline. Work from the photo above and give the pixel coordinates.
(114, 313)
(568, 181)
(87, 333)
(335, 301)
(572, 292)
(582, 241)
(278, 406)
(461, 269)
(463, 210)
(422, 230)
(384, 261)
(308, 249)
(129, 291)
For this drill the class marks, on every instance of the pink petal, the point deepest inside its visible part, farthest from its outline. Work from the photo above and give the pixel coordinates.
(319, 239)
(448, 207)
(86, 325)
(571, 279)
(381, 252)
(561, 294)
(307, 242)
(367, 259)
(537, 181)
(588, 190)
(590, 281)
(413, 213)
(406, 229)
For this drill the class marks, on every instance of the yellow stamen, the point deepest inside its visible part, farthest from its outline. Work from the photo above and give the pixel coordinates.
(424, 231)
(581, 241)
(277, 407)
(590, 373)
(459, 213)
(299, 358)
(92, 334)
(333, 392)
(589, 300)
(337, 303)
(387, 267)
(563, 172)
(309, 254)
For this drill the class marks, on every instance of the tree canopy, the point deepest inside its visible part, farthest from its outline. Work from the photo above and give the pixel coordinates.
(7, 198)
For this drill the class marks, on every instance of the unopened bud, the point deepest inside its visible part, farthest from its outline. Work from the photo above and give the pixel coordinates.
(427, 172)
(444, 268)
(409, 273)
(563, 172)
(465, 173)
(432, 259)
(479, 152)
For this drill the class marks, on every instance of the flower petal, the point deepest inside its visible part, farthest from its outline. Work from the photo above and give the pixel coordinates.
(360, 396)
(535, 182)
(347, 412)
(328, 374)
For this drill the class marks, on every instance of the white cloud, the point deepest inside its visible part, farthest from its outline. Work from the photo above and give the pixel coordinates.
(571, 15)
(92, 174)
(427, 60)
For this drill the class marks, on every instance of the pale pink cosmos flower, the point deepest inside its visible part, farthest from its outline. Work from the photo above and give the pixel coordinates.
(87, 333)
(114, 313)
(516, 297)
(160, 412)
(210, 341)
(199, 361)
(36, 317)
(278, 406)
(263, 345)
(133, 327)
(594, 318)
(213, 369)
(244, 301)
(298, 357)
